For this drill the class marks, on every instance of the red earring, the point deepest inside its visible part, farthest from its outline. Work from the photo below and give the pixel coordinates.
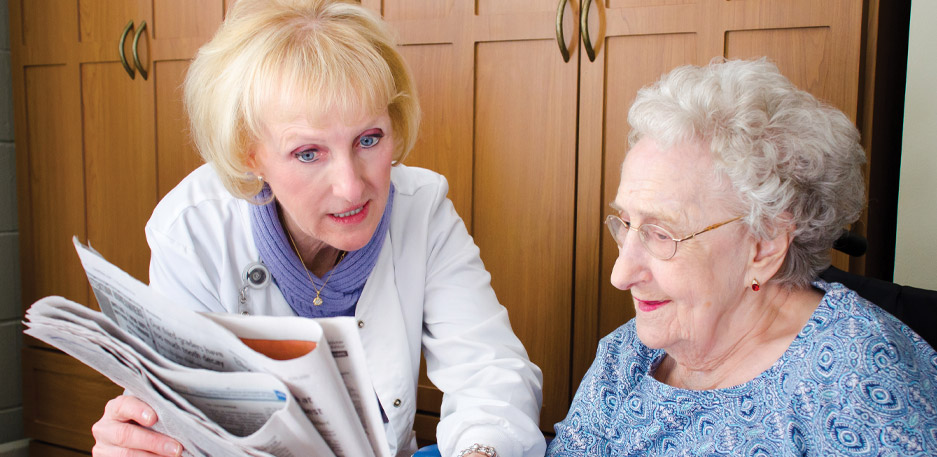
(756, 286)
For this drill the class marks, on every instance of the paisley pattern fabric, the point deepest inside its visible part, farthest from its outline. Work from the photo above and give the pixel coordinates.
(855, 381)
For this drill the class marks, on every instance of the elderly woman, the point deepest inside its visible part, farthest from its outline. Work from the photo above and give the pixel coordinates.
(302, 109)
(734, 189)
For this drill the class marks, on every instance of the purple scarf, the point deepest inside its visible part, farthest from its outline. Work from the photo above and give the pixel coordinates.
(344, 287)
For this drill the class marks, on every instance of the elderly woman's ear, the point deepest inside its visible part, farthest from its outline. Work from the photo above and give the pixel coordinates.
(768, 254)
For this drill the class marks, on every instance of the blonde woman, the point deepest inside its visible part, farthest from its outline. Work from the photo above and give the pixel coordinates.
(303, 111)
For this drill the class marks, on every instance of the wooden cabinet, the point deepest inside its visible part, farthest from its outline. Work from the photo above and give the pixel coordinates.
(95, 146)
(96, 149)
(532, 144)
(62, 398)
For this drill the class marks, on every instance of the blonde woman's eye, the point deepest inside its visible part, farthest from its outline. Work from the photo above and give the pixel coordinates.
(307, 155)
(369, 141)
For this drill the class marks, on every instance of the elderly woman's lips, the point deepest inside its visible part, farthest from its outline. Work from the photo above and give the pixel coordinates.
(650, 305)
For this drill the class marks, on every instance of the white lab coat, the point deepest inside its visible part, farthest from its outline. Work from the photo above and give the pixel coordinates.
(428, 290)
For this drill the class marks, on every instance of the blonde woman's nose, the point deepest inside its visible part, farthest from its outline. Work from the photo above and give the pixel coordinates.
(348, 179)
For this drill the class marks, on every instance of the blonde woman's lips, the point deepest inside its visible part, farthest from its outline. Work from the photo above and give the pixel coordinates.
(353, 215)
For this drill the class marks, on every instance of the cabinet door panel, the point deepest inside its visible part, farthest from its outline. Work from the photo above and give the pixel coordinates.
(801, 54)
(418, 9)
(807, 56)
(62, 398)
(120, 164)
(41, 42)
(55, 185)
(634, 3)
(175, 153)
(524, 188)
(441, 146)
(186, 19)
(103, 20)
(495, 7)
(633, 62)
(499, 122)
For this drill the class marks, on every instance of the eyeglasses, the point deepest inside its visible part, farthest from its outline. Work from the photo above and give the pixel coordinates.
(659, 242)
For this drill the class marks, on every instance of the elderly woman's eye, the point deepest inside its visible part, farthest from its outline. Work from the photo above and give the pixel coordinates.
(657, 234)
(307, 155)
(369, 141)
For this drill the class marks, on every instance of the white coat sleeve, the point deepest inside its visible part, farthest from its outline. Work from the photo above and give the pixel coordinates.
(492, 392)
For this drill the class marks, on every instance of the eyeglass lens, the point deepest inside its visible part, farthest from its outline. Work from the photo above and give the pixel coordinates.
(655, 239)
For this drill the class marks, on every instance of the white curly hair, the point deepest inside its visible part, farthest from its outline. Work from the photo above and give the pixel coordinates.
(792, 160)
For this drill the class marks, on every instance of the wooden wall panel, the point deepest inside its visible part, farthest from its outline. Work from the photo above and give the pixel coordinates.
(55, 183)
(524, 186)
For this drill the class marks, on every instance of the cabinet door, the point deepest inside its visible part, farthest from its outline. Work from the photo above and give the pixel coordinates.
(134, 128)
(62, 398)
(179, 28)
(95, 150)
(88, 134)
(499, 122)
(815, 44)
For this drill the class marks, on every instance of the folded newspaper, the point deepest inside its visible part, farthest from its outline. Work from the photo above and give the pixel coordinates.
(222, 384)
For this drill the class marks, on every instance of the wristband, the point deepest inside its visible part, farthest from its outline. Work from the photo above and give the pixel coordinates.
(487, 450)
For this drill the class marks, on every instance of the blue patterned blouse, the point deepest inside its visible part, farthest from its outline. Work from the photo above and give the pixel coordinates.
(855, 381)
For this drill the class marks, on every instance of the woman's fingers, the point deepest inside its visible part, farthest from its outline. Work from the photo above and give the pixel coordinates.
(119, 432)
(129, 408)
(103, 450)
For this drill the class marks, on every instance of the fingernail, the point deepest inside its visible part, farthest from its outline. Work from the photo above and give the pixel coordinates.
(146, 416)
(172, 448)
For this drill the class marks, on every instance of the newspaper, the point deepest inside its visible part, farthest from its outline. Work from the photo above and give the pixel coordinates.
(222, 384)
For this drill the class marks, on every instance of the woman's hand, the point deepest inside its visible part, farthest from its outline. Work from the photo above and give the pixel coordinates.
(120, 431)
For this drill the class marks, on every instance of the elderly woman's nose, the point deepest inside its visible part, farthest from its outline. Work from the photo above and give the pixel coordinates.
(629, 265)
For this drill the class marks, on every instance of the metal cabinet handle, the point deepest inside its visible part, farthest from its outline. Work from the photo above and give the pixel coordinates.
(584, 27)
(120, 50)
(560, 40)
(136, 56)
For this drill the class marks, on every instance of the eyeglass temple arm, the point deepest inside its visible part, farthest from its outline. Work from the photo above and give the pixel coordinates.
(711, 227)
